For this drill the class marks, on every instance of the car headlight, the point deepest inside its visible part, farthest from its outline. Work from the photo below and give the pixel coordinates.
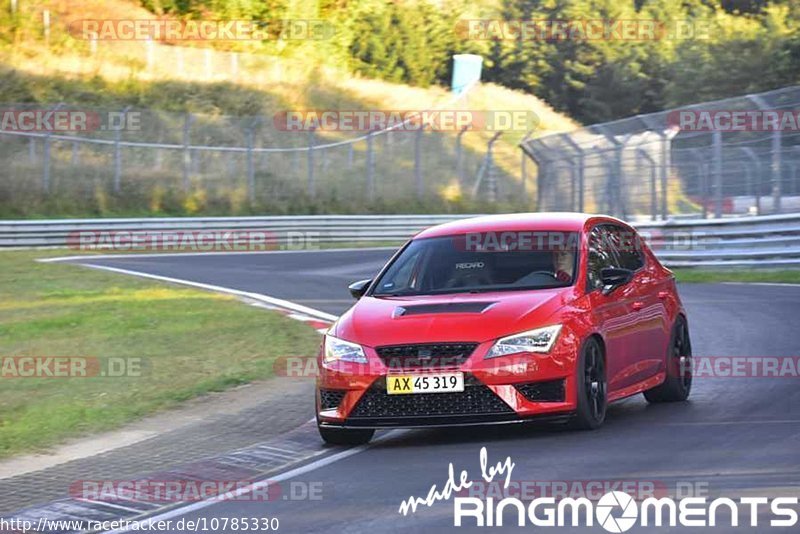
(339, 349)
(539, 340)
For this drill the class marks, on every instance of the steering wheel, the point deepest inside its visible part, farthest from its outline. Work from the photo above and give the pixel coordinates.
(548, 273)
(469, 280)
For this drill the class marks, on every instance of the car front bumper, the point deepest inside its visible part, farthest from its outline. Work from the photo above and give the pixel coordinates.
(509, 389)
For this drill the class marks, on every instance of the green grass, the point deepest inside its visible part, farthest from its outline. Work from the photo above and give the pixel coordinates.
(190, 343)
(755, 275)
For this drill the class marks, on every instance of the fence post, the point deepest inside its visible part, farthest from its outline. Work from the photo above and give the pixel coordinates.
(370, 161)
(666, 136)
(490, 167)
(251, 169)
(117, 161)
(573, 187)
(541, 170)
(187, 153)
(46, 164)
(717, 162)
(118, 154)
(486, 171)
(776, 170)
(616, 181)
(702, 179)
(460, 155)
(775, 164)
(643, 154)
(418, 181)
(580, 164)
(523, 166)
(608, 195)
(664, 177)
(388, 142)
(46, 156)
(158, 152)
(311, 163)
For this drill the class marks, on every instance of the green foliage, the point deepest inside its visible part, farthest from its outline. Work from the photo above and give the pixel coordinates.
(738, 46)
(404, 42)
(750, 47)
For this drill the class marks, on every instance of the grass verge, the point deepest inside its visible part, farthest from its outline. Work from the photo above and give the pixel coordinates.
(190, 343)
(785, 276)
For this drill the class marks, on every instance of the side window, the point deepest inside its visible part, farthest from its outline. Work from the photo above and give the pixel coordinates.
(629, 247)
(403, 276)
(601, 255)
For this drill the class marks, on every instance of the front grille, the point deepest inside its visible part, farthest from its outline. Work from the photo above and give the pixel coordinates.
(431, 355)
(476, 399)
(330, 399)
(550, 391)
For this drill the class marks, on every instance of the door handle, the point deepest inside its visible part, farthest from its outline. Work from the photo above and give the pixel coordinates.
(663, 294)
(638, 305)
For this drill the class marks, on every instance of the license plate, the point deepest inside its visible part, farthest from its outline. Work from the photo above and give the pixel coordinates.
(427, 383)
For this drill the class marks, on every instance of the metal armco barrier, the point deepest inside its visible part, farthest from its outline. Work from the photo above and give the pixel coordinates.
(766, 241)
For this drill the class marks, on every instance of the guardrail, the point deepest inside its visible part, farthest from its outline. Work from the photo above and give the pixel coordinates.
(766, 241)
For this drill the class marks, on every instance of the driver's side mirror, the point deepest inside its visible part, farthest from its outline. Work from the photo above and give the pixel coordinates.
(612, 278)
(357, 289)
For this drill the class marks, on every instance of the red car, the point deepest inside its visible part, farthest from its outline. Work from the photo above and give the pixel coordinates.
(505, 318)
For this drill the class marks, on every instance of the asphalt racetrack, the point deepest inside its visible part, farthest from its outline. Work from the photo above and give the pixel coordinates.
(736, 436)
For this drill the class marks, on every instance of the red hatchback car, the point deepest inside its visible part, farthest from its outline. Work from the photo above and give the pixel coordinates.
(501, 319)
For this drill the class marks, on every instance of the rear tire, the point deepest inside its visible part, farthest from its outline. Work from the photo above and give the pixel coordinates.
(345, 436)
(678, 384)
(592, 387)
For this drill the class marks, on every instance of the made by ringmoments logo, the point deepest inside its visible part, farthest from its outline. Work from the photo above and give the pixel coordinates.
(613, 503)
(615, 510)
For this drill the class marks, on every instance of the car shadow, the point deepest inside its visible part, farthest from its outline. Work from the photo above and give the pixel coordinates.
(628, 415)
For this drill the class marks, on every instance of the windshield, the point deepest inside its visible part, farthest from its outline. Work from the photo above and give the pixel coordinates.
(458, 264)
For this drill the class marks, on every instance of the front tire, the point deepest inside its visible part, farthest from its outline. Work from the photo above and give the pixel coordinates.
(345, 436)
(678, 384)
(592, 387)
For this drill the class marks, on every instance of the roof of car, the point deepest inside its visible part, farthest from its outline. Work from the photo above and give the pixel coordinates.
(513, 222)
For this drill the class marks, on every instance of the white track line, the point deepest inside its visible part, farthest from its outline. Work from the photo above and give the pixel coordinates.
(317, 464)
(133, 254)
(779, 284)
(292, 473)
(278, 303)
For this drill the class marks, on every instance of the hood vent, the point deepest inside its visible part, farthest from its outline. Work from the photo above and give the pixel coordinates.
(444, 307)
